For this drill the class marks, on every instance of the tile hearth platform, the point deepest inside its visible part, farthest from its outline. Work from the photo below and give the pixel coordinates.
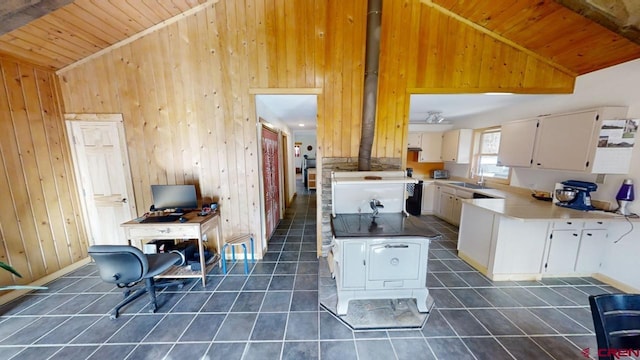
(370, 314)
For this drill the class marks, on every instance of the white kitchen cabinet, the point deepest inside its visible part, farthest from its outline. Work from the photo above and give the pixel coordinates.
(428, 197)
(477, 233)
(570, 141)
(445, 208)
(566, 141)
(414, 140)
(517, 140)
(456, 211)
(592, 245)
(431, 144)
(575, 248)
(449, 204)
(446, 200)
(563, 251)
(456, 146)
(500, 247)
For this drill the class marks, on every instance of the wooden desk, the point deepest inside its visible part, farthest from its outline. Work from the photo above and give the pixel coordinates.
(196, 227)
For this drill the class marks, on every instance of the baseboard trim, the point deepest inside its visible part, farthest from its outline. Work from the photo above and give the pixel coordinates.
(615, 283)
(14, 294)
(474, 263)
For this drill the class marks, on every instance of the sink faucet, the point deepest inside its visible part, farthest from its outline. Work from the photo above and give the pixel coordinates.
(481, 179)
(375, 206)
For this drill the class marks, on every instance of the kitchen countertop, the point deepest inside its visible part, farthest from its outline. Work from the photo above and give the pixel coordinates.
(518, 206)
(385, 225)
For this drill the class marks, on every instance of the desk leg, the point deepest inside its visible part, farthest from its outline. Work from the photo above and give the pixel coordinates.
(219, 242)
(203, 269)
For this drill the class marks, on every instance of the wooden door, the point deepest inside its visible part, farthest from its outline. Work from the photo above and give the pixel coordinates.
(102, 167)
(271, 174)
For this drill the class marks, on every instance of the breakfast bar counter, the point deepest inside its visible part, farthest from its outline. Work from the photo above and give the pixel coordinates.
(520, 238)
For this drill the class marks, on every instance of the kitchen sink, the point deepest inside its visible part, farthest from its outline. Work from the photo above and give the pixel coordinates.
(469, 185)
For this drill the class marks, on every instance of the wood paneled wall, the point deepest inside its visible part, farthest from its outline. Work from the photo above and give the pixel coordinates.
(184, 92)
(428, 51)
(340, 104)
(40, 226)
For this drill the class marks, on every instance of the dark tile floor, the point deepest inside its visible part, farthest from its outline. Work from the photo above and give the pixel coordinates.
(274, 313)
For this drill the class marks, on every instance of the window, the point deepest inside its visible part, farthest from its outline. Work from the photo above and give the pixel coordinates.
(485, 159)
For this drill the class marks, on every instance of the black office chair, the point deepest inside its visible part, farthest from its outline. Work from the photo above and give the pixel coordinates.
(616, 319)
(125, 266)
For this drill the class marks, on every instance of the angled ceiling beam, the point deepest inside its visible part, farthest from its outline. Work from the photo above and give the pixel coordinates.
(16, 13)
(619, 16)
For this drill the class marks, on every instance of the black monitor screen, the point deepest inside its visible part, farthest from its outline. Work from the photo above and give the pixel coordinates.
(174, 197)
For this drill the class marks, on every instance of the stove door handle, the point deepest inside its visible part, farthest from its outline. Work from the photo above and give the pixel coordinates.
(400, 246)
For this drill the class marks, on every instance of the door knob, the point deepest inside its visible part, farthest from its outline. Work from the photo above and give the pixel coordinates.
(124, 200)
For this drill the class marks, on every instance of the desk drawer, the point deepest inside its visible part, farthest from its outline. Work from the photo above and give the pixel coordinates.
(165, 231)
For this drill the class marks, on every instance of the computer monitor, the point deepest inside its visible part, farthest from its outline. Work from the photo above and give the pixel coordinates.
(174, 197)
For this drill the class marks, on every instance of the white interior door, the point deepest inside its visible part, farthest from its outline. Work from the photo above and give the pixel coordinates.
(102, 167)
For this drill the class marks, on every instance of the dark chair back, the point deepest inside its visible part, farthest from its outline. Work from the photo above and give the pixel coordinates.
(119, 264)
(616, 320)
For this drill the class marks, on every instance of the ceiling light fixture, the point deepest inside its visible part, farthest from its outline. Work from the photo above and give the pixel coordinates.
(434, 117)
(301, 125)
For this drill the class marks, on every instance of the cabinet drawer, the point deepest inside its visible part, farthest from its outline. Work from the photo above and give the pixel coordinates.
(593, 224)
(569, 224)
(448, 190)
(165, 232)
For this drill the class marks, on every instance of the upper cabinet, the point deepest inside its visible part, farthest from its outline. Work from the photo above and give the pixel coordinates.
(584, 141)
(566, 141)
(517, 140)
(456, 146)
(431, 147)
(570, 141)
(414, 140)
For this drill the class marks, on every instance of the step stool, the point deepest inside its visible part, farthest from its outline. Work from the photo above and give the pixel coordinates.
(235, 240)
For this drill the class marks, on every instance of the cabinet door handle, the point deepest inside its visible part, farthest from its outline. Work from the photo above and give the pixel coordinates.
(589, 234)
(388, 246)
(574, 234)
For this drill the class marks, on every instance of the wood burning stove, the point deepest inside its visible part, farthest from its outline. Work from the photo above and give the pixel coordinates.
(382, 256)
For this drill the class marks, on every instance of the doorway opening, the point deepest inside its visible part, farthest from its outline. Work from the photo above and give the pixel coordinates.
(294, 118)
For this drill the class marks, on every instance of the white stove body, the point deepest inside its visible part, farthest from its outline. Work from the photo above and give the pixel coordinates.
(381, 268)
(376, 267)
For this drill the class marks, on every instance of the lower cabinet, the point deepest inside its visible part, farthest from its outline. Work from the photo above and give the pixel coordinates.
(563, 251)
(504, 248)
(445, 205)
(592, 247)
(575, 248)
(449, 203)
(500, 247)
(428, 198)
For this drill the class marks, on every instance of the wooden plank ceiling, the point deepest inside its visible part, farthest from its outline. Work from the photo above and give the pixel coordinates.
(548, 29)
(84, 27)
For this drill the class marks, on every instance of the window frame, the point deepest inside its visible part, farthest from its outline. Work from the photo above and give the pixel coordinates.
(476, 154)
